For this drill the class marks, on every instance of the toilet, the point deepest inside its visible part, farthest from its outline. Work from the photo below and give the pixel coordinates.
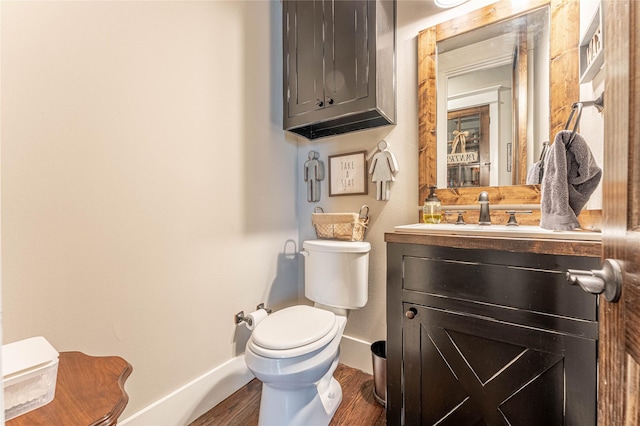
(295, 351)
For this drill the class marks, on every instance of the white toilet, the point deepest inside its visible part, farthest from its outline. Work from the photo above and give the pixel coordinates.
(295, 351)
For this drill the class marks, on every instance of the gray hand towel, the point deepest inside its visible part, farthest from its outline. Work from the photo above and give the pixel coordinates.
(536, 171)
(570, 177)
(533, 175)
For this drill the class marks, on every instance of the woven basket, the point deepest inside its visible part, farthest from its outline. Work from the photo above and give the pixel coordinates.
(340, 226)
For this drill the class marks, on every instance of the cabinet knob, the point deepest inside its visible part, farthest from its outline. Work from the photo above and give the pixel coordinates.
(330, 101)
(411, 313)
(607, 280)
(319, 103)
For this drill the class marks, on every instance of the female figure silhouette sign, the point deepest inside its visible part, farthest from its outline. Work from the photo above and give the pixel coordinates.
(382, 170)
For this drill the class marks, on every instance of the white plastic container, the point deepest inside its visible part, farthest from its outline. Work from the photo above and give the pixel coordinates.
(30, 370)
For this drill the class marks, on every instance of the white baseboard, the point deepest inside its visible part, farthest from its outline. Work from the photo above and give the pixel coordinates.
(192, 400)
(186, 404)
(356, 353)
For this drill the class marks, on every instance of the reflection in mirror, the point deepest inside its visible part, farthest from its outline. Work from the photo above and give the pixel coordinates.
(495, 82)
(562, 91)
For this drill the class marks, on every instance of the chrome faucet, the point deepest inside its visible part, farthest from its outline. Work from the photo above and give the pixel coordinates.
(485, 217)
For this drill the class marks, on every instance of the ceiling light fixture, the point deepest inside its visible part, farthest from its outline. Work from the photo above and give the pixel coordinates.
(445, 4)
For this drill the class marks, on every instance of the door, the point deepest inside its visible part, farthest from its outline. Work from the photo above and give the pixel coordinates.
(468, 146)
(327, 53)
(619, 350)
(303, 63)
(473, 370)
(347, 55)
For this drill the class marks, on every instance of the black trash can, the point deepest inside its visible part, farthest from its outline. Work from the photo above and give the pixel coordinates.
(379, 356)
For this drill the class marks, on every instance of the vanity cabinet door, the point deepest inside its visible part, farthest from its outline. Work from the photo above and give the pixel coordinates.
(469, 370)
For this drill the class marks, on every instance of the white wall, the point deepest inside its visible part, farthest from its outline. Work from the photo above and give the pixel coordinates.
(148, 190)
(592, 122)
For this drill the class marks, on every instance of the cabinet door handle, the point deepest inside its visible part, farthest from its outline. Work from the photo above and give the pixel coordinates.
(411, 313)
(607, 280)
(330, 101)
(319, 103)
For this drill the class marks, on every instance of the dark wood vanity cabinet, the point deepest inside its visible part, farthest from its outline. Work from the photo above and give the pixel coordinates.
(339, 67)
(488, 337)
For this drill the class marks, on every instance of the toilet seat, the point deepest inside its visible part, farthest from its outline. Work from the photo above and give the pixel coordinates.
(294, 331)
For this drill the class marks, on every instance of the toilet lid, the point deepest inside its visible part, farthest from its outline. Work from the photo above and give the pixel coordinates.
(293, 327)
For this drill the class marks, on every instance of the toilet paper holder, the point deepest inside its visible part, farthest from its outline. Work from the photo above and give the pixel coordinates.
(240, 318)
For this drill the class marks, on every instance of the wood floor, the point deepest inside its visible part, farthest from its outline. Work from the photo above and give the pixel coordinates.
(358, 406)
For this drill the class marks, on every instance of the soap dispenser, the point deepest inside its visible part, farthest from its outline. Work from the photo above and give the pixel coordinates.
(432, 209)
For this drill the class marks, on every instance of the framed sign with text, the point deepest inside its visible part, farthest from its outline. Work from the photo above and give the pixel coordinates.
(348, 174)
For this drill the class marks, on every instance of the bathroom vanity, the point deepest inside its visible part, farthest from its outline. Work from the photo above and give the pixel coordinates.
(486, 330)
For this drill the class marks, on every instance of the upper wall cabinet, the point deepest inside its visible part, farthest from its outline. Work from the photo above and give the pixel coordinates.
(339, 66)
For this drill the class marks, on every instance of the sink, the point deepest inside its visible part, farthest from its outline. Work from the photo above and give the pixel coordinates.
(520, 231)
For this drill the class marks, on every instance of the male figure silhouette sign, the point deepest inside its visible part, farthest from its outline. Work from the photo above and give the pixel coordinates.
(313, 174)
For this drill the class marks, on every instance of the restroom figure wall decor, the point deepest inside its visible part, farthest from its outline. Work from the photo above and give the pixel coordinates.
(313, 174)
(382, 170)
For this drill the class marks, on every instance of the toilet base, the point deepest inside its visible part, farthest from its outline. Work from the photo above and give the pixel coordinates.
(312, 405)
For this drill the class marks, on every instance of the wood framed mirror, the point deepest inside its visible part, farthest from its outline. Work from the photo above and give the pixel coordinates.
(564, 90)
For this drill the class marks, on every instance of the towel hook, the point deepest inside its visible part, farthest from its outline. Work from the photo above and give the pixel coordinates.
(575, 107)
(598, 103)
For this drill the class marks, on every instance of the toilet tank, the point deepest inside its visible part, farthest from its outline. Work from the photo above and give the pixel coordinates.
(336, 273)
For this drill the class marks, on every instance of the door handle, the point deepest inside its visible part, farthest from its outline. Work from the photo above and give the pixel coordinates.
(607, 281)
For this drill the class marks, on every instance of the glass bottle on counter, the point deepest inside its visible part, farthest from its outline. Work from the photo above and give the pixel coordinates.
(432, 209)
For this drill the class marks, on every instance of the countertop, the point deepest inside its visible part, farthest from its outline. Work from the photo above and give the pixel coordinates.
(528, 245)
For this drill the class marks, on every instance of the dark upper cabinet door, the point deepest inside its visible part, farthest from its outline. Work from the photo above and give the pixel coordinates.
(303, 25)
(346, 59)
(328, 54)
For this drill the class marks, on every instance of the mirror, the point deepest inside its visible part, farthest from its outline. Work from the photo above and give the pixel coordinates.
(491, 79)
(562, 89)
